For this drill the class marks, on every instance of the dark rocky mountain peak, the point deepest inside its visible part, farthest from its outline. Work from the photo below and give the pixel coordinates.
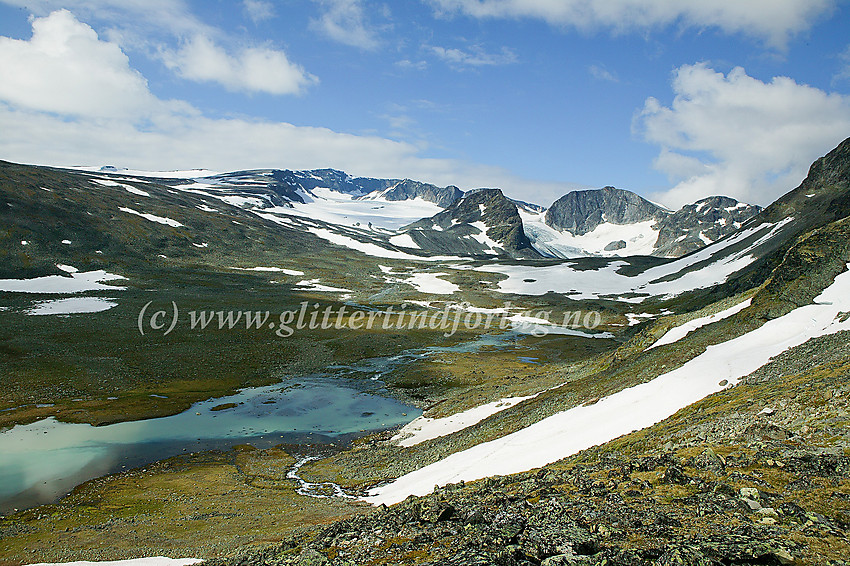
(579, 212)
(471, 224)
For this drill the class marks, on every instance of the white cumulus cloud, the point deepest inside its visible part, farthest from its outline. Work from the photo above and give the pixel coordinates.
(65, 68)
(253, 69)
(770, 20)
(738, 136)
(152, 27)
(345, 21)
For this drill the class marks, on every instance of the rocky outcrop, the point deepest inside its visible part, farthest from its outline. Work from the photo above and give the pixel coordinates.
(674, 233)
(703, 222)
(579, 212)
(484, 222)
(616, 511)
(409, 190)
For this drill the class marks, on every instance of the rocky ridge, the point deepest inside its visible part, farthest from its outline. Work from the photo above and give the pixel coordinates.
(482, 223)
(695, 225)
(674, 233)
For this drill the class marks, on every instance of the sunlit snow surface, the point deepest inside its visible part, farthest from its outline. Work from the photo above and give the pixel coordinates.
(569, 432)
(76, 283)
(639, 237)
(128, 188)
(492, 245)
(422, 428)
(370, 220)
(343, 209)
(316, 285)
(152, 217)
(271, 270)
(679, 332)
(431, 283)
(76, 305)
(606, 281)
(404, 240)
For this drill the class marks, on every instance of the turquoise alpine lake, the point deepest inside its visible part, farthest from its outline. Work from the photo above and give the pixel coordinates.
(46, 459)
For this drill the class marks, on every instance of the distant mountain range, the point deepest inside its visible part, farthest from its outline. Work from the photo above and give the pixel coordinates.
(484, 222)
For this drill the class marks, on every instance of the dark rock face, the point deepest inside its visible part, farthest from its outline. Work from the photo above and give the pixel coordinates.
(705, 221)
(409, 190)
(617, 245)
(579, 212)
(452, 231)
(338, 181)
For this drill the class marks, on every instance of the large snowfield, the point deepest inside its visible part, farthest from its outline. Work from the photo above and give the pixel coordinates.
(668, 280)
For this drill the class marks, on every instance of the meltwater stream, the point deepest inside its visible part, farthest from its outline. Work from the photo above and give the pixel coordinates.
(44, 460)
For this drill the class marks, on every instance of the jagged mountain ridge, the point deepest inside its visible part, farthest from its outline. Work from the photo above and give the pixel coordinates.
(603, 222)
(581, 215)
(705, 221)
(408, 190)
(293, 185)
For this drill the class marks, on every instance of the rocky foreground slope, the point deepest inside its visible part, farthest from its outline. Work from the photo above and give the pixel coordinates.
(758, 474)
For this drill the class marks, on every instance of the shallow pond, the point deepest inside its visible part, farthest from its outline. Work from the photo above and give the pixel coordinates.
(46, 459)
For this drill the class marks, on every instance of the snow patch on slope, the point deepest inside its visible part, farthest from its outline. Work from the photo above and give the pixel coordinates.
(421, 429)
(404, 241)
(639, 238)
(152, 217)
(76, 305)
(128, 188)
(656, 281)
(76, 283)
(492, 245)
(431, 283)
(679, 332)
(271, 270)
(316, 285)
(571, 431)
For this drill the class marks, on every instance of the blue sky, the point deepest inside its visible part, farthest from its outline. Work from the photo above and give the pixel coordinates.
(674, 100)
